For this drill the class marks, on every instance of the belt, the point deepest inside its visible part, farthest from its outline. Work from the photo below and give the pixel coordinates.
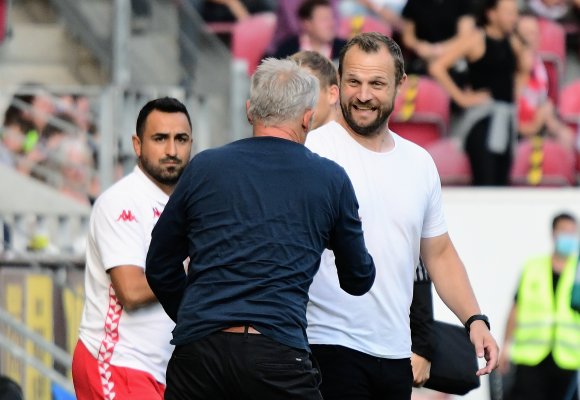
(241, 329)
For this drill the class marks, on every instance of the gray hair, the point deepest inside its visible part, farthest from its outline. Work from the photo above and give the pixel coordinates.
(281, 91)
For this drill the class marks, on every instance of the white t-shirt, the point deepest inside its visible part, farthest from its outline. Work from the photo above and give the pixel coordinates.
(119, 234)
(399, 195)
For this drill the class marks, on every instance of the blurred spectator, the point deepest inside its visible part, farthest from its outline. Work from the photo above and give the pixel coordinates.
(79, 109)
(40, 105)
(232, 10)
(387, 10)
(322, 68)
(557, 10)
(488, 124)
(536, 112)
(542, 336)
(16, 135)
(74, 163)
(318, 31)
(428, 28)
(287, 21)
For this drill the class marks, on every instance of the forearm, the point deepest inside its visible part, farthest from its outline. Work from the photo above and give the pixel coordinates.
(131, 287)
(451, 281)
(238, 9)
(440, 73)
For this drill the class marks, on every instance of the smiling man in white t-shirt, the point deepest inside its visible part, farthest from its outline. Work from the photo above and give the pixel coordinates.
(123, 346)
(363, 344)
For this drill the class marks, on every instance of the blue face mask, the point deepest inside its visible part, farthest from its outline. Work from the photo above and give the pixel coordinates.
(566, 244)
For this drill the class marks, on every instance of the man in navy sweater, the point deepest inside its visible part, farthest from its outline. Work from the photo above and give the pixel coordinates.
(254, 217)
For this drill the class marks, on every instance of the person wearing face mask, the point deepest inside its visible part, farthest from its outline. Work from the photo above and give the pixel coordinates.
(542, 336)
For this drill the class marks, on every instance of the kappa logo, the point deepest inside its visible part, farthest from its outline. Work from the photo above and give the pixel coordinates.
(127, 216)
(156, 212)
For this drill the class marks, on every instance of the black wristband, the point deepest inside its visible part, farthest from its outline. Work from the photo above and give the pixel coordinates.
(476, 317)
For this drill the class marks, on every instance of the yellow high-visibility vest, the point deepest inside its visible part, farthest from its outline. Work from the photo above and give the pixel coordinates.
(545, 322)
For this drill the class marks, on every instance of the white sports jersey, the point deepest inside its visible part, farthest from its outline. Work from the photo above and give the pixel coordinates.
(119, 234)
(399, 195)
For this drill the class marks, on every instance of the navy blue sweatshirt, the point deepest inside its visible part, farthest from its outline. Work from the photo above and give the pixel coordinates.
(254, 217)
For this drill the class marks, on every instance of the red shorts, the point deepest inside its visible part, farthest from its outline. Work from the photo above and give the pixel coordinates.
(117, 383)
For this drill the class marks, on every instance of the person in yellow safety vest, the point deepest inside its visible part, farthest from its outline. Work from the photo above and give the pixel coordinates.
(542, 336)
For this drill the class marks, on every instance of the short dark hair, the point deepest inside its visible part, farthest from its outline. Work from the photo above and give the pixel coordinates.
(164, 104)
(320, 66)
(307, 7)
(370, 42)
(481, 7)
(563, 216)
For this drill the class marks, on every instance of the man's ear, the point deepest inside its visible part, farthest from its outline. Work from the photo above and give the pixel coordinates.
(136, 145)
(247, 110)
(401, 83)
(307, 119)
(333, 94)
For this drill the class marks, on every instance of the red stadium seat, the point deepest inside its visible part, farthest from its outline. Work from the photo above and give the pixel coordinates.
(553, 53)
(251, 37)
(421, 112)
(451, 161)
(3, 19)
(569, 109)
(542, 162)
(350, 26)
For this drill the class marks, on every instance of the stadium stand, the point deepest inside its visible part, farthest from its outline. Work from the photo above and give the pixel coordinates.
(421, 112)
(3, 20)
(553, 54)
(542, 162)
(350, 26)
(451, 161)
(569, 109)
(251, 37)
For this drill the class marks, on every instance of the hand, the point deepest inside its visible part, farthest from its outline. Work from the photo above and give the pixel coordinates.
(485, 346)
(421, 369)
(471, 98)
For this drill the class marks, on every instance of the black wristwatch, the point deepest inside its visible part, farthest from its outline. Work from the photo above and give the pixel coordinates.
(476, 317)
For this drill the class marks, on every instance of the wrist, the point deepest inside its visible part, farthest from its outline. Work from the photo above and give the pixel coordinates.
(476, 317)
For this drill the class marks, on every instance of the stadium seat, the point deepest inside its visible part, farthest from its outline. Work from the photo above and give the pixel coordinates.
(350, 26)
(553, 53)
(251, 37)
(569, 105)
(3, 19)
(451, 161)
(421, 112)
(569, 110)
(542, 162)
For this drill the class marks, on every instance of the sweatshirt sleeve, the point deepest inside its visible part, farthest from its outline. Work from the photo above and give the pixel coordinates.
(355, 266)
(168, 249)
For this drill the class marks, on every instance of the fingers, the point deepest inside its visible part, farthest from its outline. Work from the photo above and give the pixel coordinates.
(489, 350)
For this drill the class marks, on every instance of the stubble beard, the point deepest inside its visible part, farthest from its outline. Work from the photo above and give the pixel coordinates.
(375, 127)
(164, 175)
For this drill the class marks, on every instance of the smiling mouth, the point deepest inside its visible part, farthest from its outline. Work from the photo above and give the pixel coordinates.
(363, 108)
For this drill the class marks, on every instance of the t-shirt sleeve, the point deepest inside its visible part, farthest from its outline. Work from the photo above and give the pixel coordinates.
(434, 220)
(118, 233)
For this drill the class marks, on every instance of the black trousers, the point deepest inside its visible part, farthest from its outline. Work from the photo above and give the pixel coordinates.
(545, 381)
(487, 168)
(351, 375)
(241, 366)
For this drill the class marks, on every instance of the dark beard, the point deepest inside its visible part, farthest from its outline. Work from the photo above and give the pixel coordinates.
(168, 176)
(374, 128)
